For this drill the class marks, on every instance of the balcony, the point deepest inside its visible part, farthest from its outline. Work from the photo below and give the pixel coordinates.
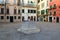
(28, 5)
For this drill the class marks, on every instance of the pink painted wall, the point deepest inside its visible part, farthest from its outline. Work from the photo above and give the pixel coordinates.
(57, 2)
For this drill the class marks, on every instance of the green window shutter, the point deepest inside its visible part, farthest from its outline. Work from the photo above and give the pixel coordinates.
(50, 0)
(42, 12)
(54, 12)
(41, 0)
(46, 11)
(54, 5)
(51, 7)
(31, 2)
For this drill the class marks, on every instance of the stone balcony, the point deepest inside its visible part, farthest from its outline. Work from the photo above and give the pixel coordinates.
(29, 5)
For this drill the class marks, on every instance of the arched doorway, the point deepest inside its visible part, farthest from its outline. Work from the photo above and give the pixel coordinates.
(31, 18)
(57, 19)
(28, 18)
(50, 19)
(11, 18)
(22, 18)
(34, 18)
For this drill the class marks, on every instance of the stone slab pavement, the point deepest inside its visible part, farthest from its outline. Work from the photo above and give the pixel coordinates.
(49, 31)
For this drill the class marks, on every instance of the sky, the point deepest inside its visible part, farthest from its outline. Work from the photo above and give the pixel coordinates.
(0, 1)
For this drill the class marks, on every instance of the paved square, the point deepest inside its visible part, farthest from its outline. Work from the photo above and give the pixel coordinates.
(49, 31)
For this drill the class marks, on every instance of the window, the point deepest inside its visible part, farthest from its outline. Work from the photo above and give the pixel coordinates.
(2, 17)
(50, 6)
(42, 5)
(42, 12)
(50, 13)
(54, 18)
(18, 11)
(54, 12)
(18, 17)
(7, 17)
(41, 0)
(7, 11)
(54, 5)
(2, 10)
(47, 3)
(34, 11)
(46, 11)
(22, 10)
(38, 7)
(14, 11)
(28, 11)
(18, 2)
(31, 1)
(14, 17)
(28, 17)
(38, 1)
(31, 11)
(50, 0)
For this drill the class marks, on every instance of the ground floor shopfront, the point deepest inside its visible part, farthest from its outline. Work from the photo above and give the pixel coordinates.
(29, 17)
(11, 18)
(55, 19)
(43, 18)
(18, 18)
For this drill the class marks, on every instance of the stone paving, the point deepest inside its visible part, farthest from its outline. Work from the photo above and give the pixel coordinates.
(49, 31)
(29, 28)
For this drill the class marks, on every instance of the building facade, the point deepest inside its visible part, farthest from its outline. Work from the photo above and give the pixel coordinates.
(29, 10)
(43, 10)
(54, 11)
(10, 11)
(18, 10)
